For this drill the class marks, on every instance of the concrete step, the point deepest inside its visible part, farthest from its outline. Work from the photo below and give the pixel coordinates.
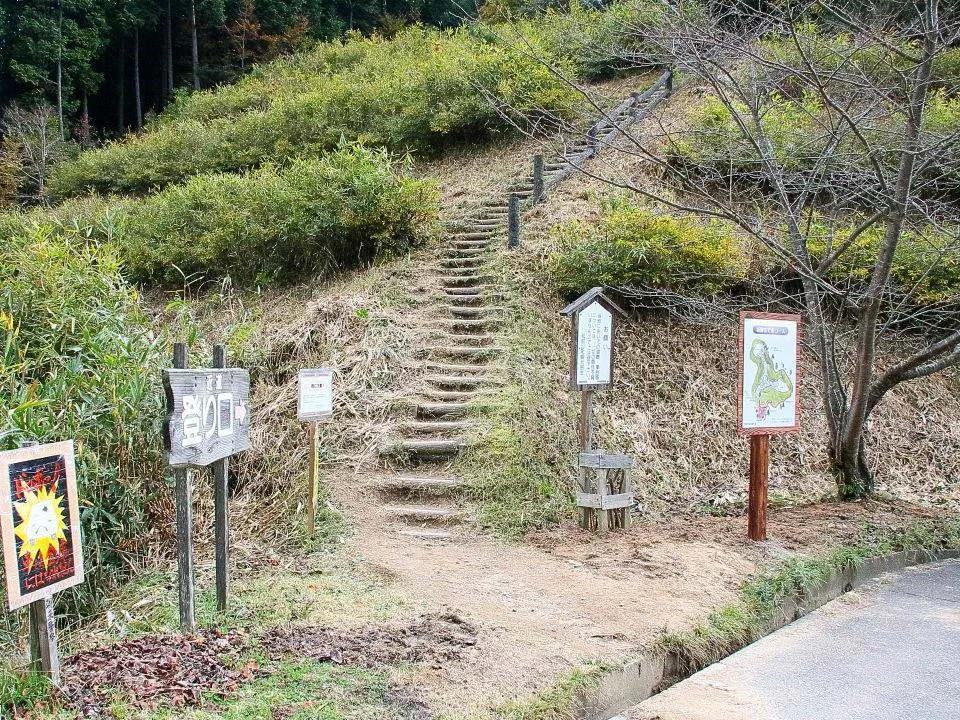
(441, 409)
(426, 513)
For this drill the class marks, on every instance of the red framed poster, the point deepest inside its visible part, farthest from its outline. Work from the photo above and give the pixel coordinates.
(768, 382)
(39, 522)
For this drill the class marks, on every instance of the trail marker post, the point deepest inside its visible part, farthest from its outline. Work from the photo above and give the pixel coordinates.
(513, 221)
(537, 179)
(314, 404)
(40, 528)
(768, 391)
(207, 421)
(594, 319)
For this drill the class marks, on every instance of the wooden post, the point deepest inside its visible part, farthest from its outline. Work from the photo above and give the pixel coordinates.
(669, 83)
(586, 445)
(312, 478)
(184, 502)
(513, 237)
(42, 625)
(221, 508)
(635, 108)
(592, 137)
(537, 178)
(757, 505)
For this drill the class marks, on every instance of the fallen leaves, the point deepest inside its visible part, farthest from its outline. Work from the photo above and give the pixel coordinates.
(433, 638)
(151, 671)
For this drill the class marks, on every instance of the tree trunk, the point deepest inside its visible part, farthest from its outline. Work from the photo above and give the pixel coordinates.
(855, 478)
(85, 120)
(121, 85)
(195, 51)
(169, 50)
(63, 133)
(138, 106)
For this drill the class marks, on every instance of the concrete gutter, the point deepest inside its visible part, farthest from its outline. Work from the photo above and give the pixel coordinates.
(648, 673)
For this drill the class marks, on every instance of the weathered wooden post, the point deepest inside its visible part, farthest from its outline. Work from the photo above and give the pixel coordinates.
(40, 528)
(767, 398)
(669, 84)
(314, 404)
(635, 107)
(594, 318)
(183, 499)
(221, 508)
(537, 179)
(513, 222)
(592, 138)
(206, 422)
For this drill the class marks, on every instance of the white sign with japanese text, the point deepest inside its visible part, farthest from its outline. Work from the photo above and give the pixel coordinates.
(207, 415)
(594, 345)
(315, 396)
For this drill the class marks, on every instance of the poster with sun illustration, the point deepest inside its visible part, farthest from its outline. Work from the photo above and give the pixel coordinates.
(39, 522)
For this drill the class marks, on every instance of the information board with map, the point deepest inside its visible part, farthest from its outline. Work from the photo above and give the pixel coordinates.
(768, 387)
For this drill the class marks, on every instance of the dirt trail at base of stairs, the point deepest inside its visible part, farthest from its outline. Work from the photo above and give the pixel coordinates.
(542, 611)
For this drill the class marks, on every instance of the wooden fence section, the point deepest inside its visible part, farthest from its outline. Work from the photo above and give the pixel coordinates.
(605, 131)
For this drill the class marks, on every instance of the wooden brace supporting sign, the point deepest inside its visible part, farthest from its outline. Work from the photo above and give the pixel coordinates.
(606, 490)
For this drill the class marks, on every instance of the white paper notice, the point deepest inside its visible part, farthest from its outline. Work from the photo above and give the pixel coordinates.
(315, 400)
(769, 373)
(594, 341)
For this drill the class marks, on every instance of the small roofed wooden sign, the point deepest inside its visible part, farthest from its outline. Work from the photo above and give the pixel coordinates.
(207, 415)
(595, 318)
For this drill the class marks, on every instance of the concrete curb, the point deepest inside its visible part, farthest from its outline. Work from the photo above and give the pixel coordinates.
(649, 674)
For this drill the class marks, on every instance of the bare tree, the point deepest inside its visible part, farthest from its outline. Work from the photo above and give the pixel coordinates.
(32, 135)
(865, 164)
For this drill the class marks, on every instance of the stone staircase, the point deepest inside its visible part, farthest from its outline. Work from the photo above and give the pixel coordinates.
(419, 499)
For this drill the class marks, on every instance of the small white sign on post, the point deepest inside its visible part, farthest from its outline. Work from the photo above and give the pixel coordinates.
(315, 398)
(594, 345)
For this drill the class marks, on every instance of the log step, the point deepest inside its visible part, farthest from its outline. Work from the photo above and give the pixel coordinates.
(424, 448)
(431, 426)
(469, 244)
(459, 265)
(441, 409)
(468, 290)
(464, 351)
(426, 534)
(426, 513)
(460, 380)
(449, 368)
(420, 484)
(456, 395)
(462, 326)
(474, 235)
(469, 251)
(476, 311)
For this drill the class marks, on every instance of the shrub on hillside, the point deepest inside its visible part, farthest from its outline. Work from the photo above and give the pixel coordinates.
(414, 93)
(79, 362)
(315, 216)
(634, 246)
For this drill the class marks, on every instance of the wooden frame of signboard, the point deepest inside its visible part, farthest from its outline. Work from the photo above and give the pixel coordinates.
(759, 474)
(16, 596)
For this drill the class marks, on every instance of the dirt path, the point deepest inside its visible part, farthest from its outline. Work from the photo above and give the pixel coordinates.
(539, 611)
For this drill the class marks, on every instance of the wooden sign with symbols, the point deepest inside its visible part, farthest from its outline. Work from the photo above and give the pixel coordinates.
(207, 415)
(594, 318)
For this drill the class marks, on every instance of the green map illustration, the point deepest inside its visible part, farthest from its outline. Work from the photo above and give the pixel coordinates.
(772, 386)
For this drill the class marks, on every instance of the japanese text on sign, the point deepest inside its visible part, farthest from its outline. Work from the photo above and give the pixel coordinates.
(594, 343)
(207, 415)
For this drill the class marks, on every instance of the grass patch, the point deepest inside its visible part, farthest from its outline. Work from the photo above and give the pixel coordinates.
(736, 625)
(556, 702)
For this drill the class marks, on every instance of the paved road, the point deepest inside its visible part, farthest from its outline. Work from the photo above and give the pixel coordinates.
(887, 652)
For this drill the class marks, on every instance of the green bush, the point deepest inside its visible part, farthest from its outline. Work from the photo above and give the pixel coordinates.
(315, 216)
(417, 92)
(633, 246)
(80, 362)
(926, 264)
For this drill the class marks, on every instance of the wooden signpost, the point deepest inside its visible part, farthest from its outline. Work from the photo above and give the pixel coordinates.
(595, 318)
(207, 421)
(314, 404)
(768, 391)
(40, 528)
